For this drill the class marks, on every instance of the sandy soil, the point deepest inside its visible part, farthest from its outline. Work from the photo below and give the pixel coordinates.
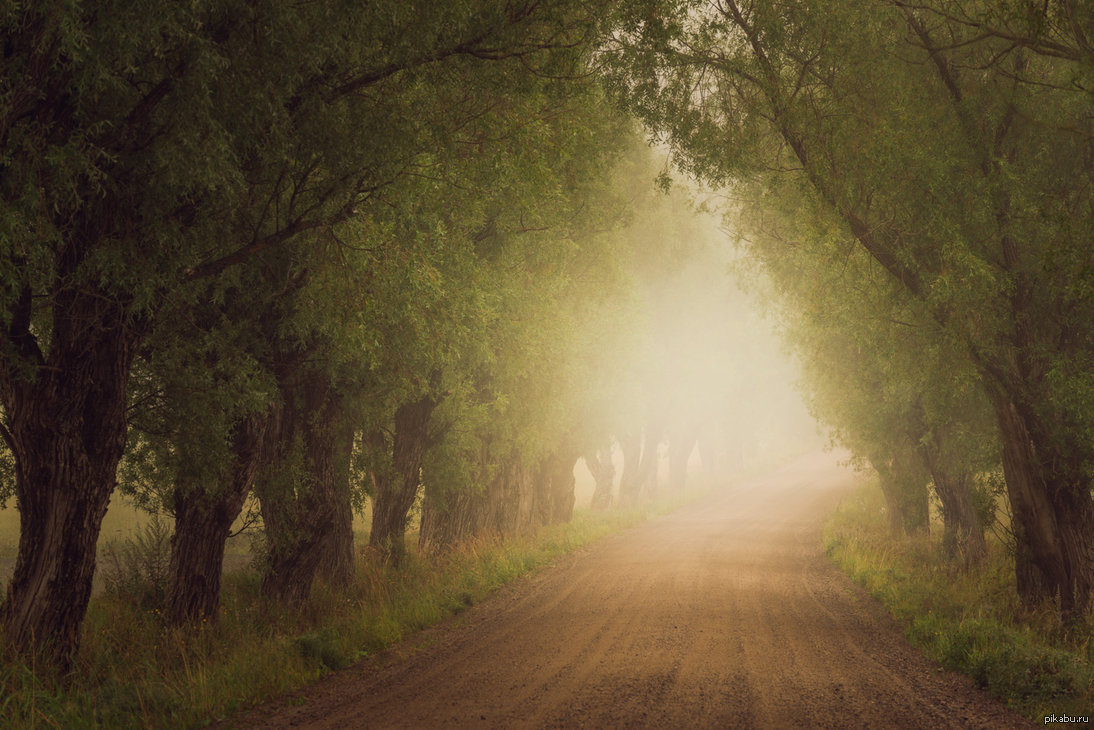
(724, 614)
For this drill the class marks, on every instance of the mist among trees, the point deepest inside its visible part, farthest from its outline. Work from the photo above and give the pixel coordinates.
(412, 260)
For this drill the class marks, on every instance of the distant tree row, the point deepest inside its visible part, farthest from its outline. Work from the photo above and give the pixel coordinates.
(916, 177)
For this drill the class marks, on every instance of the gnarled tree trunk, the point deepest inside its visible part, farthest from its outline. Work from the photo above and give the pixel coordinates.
(336, 564)
(396, 484)
(447, 518)
(66, 426)
(962, 531)
(509, 503)
(451, 516)
(203, 521)
(306, 487)
(557, 475)
(511, 498)
(599, 464)
(1052, 512)
(904, 485)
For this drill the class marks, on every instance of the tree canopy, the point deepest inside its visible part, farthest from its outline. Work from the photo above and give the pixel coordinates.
(951, 141)
(411, 254)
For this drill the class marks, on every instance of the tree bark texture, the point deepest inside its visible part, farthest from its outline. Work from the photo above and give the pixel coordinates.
(508, 504)
(448, 518)
(66, 426)
(306, 487)
(1052, 512)
(894, 505)
(397, 484)
(962, 531)
(203, 522)
(556, 475)
(337, 565)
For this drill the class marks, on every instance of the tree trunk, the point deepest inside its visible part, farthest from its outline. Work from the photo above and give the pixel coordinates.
(447, 518)
(894, 505)
(66, 426)
(203, 521)
(1052, 512)
(510, 498)
(306, 488)
(912, 480)
(648, 467)
(680, 447)
(510, 503)
(599, 464)
(451, 517)
(397, 484)
(558, 474)
(630, 484)
(337, 566)
(962, 532)
(905, 488)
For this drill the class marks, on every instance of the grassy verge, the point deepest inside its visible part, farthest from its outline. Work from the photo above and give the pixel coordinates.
(133, 672)
(972, 623)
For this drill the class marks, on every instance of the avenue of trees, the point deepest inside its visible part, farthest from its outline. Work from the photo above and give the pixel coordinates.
(403, 253)
(312, 257)
(917, 176)
(240, 239)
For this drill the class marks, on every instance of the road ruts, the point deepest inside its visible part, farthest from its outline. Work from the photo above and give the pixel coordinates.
(724, 614)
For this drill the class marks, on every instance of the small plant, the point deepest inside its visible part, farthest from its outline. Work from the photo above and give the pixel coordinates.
(136, 569)
(971, 622)
(135, 672)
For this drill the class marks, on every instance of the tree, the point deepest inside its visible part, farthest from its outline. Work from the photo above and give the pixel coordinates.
(146, 148)
(202, 405)
(503, 229)
(959, 164)
(891, 383)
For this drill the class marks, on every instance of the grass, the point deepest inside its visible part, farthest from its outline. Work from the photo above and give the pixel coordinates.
(134, 672)
(970, 622)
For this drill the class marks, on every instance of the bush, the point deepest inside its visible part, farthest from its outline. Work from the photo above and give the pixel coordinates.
(136, 569)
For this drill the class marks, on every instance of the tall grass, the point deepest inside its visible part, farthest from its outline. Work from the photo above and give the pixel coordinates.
(971, 622)
(132, 671)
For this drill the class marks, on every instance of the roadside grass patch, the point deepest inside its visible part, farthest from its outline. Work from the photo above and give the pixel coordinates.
(970, 622)
(133, 672)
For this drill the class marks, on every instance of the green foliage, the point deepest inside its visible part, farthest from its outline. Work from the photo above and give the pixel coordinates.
(959, 167)
(972, 623)
(133, 672)
(135, 570)
(324, 646)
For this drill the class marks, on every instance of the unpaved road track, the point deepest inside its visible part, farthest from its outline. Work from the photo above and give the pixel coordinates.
(724, 614)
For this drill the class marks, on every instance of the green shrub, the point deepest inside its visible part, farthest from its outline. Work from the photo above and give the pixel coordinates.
(136, 569)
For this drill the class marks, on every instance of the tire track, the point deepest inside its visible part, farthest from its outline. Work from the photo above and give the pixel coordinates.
(724, 614)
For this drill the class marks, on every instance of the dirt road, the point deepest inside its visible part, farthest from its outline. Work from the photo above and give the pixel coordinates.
(724, 614)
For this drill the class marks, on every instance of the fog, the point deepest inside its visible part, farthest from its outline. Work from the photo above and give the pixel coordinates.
(710, 366)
